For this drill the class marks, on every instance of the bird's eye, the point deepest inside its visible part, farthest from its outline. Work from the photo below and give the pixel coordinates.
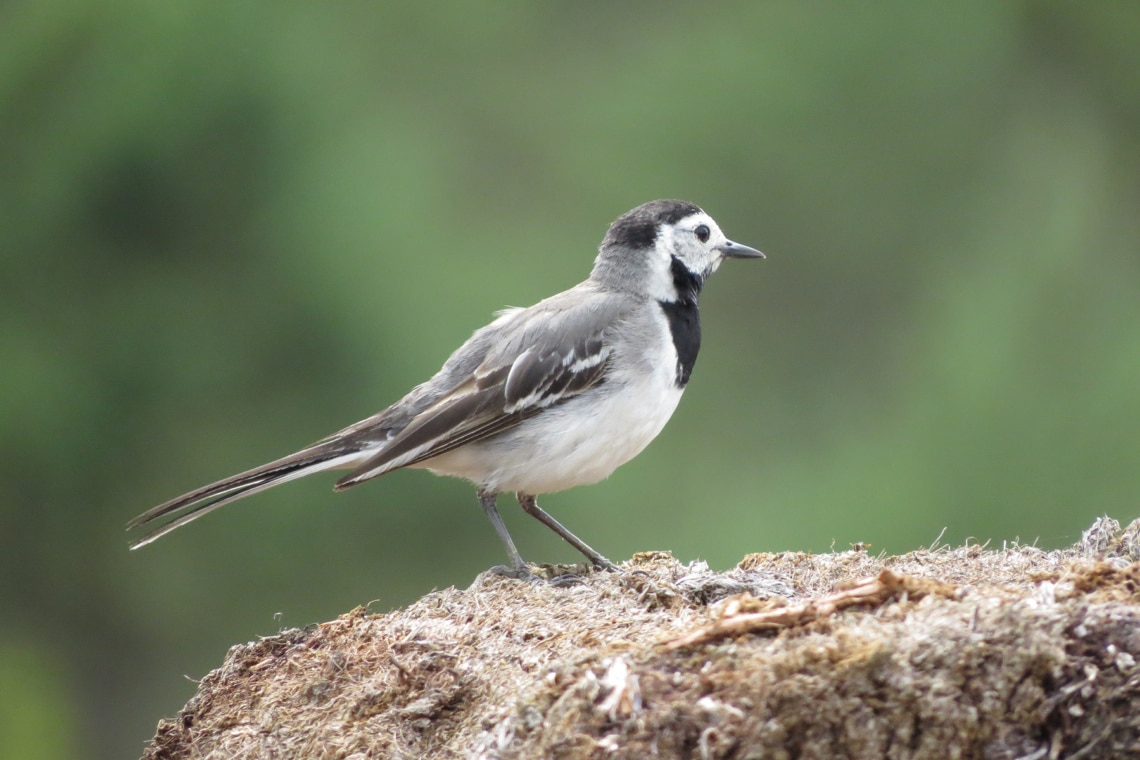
(703, 233)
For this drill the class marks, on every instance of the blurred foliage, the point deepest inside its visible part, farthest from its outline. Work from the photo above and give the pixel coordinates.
(37, 715)
(229, 229)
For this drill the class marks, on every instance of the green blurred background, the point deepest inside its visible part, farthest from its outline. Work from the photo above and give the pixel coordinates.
(228, 229)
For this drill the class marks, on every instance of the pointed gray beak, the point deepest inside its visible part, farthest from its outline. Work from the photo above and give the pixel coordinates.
(731, 250)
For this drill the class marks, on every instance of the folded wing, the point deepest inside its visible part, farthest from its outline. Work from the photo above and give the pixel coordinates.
(499, 396)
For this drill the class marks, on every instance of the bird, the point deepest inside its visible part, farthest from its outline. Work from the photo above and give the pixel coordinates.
(542, 399)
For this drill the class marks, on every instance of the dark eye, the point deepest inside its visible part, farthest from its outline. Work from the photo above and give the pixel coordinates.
(703, 233)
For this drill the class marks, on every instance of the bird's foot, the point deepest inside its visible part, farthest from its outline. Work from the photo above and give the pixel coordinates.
(517, 572)
(601, 563)
(559, 576)
(573, 574)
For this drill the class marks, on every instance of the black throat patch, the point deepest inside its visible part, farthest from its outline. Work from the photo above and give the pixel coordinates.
(684, 317)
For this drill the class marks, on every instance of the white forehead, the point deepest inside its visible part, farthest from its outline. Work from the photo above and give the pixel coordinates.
(692, 221)
(667, 232)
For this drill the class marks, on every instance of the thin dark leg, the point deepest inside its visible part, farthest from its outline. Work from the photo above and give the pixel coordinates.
(487, 501)
(530, 506)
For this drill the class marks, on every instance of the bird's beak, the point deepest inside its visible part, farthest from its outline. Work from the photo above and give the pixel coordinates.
(731, 250)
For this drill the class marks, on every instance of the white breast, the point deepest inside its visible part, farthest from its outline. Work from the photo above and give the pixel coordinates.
(580, 441)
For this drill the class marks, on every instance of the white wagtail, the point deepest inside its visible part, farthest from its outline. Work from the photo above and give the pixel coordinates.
(542, 399)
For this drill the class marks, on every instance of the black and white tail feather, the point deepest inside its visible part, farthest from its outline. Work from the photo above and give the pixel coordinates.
(543, 398)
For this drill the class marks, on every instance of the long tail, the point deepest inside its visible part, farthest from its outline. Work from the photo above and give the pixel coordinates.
(318, 458)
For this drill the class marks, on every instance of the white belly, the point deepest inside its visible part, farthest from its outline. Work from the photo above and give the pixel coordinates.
(575, 443)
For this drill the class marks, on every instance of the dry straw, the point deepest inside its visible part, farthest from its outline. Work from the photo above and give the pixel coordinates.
(941, 653)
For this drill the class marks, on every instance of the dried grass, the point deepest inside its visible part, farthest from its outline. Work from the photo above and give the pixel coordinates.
(940, 653)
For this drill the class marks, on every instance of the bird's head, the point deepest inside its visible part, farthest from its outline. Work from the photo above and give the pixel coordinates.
(666, 250)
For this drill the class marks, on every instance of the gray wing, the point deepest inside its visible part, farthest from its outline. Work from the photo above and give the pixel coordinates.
(511, 370)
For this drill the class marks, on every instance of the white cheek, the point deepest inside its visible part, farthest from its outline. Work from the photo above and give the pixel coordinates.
(660, 285)
(700, 258)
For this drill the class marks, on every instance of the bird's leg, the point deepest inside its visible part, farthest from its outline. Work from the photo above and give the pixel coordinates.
(518, 568)
(530, 505)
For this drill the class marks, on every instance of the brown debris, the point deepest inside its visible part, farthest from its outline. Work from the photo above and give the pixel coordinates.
(968, 652)
(735, 620)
